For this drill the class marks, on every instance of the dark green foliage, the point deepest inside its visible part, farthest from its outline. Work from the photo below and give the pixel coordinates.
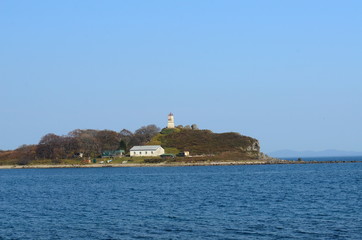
(122, 145)
(207, 142)
(168, 130)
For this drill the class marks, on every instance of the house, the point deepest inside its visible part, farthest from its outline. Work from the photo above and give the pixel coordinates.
(149, 151)
(115, 153)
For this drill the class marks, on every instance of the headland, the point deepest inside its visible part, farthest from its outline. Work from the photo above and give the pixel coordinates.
(171, 164)
(148, 146)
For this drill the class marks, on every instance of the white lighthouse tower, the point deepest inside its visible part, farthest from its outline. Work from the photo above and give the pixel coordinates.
(171, 121)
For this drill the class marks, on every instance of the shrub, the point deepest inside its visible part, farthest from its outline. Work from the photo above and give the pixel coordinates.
(154, 160)
(207, 142)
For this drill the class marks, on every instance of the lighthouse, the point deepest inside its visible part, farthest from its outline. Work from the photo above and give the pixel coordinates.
(170, 121)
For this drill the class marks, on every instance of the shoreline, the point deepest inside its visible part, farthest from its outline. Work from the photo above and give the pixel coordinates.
(166, 164)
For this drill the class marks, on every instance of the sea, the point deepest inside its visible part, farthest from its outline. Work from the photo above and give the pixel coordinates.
(292, 201)
(325, 159)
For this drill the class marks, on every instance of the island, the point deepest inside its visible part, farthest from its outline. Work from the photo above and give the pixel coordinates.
(147, 146)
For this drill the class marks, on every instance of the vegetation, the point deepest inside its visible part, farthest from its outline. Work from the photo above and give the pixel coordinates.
(199, 142)
(87, 143)
(79, 145)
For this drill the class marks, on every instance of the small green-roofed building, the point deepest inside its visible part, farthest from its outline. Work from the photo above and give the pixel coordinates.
(113, 153)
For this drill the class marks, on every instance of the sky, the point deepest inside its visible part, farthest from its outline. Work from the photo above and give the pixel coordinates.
(288, 73)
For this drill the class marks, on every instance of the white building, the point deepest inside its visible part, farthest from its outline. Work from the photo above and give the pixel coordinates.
(149, 151)
(170, 121)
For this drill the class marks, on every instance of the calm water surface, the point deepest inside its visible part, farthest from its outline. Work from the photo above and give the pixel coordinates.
(317, 201)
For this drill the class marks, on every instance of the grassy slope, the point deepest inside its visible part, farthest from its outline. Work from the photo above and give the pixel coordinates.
(199, 142)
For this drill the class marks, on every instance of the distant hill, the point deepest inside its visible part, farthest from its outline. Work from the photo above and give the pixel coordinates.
(199, 142)
(325, 153)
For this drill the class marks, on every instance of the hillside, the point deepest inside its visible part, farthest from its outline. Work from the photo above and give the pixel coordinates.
(202, 144)
(199, 142)
(5, 155)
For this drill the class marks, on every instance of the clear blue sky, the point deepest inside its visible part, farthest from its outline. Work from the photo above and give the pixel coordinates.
(288, 73)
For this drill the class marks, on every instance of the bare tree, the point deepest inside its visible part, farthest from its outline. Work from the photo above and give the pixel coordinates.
(49, 146)
(108, 140)
(126, 138)
(70, 145)
(88, 143)
(91, 142)
(126, 135)
(145, 134)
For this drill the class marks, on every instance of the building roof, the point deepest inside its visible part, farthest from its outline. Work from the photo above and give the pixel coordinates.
(145, 148)
(109, 153)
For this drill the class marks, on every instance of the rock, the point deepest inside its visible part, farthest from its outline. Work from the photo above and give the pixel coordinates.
(194, 127)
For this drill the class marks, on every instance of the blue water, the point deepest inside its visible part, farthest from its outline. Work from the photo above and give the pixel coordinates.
(321, 159)
(316, 201)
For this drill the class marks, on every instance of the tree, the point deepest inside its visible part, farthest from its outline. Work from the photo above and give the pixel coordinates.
(88, 143)
(70, 145)
(123, 145)
(126, 137)
(49, 146)
(145, 134)
(91, 142)
(107, 140)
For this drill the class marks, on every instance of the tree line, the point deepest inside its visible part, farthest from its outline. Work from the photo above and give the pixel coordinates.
(89, 142)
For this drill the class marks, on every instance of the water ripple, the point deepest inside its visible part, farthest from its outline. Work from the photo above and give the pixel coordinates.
(224, 202)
